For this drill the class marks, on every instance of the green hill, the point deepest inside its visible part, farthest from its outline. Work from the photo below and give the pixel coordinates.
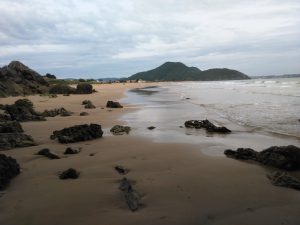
(177, 71)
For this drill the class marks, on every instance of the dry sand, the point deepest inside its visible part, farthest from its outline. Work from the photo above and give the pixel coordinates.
(178, 184)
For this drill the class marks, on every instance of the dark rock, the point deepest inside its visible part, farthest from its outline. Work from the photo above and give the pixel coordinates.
(89, 105)
(71, 151)
(92, 154)
(131, 196)
(46, 152)
(119, 130)
(62, 89)
(122, 170)
(84, 88)
(9, 168)
(11, 127)
(69, 174)
(4, 117)
(15, 140)
(55, 112)
(282, 179)
(112, 104)
(206, 124)
(282, 157)
(151, 128)
(17, 79)
(242, 153)
(22, 110)
(83, 114)
(50, 76)
(187, 98)
(78, 133)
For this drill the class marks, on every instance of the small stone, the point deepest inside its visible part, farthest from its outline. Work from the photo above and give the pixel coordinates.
(151, 128)
(71, 151)
(83, 114)
(46, 152)
(69, 174)
(122, 170)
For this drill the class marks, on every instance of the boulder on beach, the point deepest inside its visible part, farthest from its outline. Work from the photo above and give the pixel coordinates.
(71, 151)
(55, 112)
(84, 88)
(119, 130)
(112, 104)
(22, 110)
(281, 157)
(11, 136)
(206, 124)
(131, 196)
(69, 174)
(47, 153)
(9, 168)
(282, 179)
(62, 89)
(88, 104)
(78, 133)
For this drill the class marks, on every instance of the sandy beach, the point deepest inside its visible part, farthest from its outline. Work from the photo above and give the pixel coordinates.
(178, 183)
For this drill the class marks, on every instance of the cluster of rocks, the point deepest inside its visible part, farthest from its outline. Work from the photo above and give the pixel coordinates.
(55, 112)
(12, 136)
(119, 130)
(9, 168)
(78, 133)
(88, 104)
(206, 124)
(22, 110)
(279, 157)
(82, 88)
(112, 104)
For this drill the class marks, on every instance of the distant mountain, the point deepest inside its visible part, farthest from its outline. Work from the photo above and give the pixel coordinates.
(177, 71)
(18, 79)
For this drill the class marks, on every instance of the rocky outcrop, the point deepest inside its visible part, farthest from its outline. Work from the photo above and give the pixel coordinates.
(206, 124)
(9, 168)
(47, 153)
(22, 110)
(84, 88)
(112, 104)
(119, 130)
(69, 174)
(55, 112)
(281, 157)
(88, 104)
(282, 179)
(11, 136)
(131, 196)
(17, 79)
(78, 133)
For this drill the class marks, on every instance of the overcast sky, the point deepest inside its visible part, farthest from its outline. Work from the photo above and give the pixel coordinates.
(106, 38)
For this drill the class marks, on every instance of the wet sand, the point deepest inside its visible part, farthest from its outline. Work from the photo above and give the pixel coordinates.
(178, 183)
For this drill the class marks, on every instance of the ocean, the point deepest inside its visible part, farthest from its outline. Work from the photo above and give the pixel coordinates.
(259, 112)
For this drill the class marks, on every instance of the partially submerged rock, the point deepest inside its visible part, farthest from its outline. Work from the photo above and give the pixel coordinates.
(281, 157)
(121, 170)
(47, 153)
(206, 124)
(112, 104)
(78, 133)
(131, 196)
(119, 130)
(15, 140)
(282, 179)
(151, 128)
(55, 112)
(69, 174)
(22, 110)
(9, 168)
(71, 151)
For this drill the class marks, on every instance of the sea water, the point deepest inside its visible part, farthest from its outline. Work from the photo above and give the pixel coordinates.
(260, 112)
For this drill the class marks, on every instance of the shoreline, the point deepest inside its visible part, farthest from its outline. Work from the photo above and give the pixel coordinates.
(178, 183)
